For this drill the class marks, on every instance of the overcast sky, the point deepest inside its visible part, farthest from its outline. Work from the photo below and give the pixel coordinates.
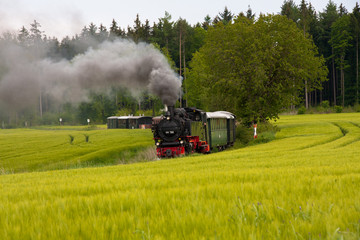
(67, 17)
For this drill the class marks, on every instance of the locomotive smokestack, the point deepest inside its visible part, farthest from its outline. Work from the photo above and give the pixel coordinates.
(171, 110)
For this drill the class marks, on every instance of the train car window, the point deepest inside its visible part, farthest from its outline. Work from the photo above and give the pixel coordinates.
(122, 123)
(132, 123)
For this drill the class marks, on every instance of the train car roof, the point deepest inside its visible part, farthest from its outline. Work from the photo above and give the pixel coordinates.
(225, 112)
(128, 117)
(220, 114)
(138, 117)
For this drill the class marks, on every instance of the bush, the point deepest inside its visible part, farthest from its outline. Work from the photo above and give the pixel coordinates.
(48, 119)
(266, 132)
(338, 109)
(357, 107)
(348, 109)
(267, 127)
(320, 109)
(302, 110)
(244, 134)
(325, 104)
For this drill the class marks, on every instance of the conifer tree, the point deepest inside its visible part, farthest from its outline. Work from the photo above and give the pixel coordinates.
(115, 31)
(290, 10)
(92, 30)
(103, 33)
(326, 19)
(207, 22)
(225, 17)
(35, 32)
(340, 41)
(146, 33)
(355, 22)
(23, 36)
(250, 14)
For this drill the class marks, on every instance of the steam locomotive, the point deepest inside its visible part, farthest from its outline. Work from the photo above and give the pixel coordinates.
(187, 130)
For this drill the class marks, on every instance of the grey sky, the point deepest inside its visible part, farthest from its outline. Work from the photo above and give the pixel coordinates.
(67, 17)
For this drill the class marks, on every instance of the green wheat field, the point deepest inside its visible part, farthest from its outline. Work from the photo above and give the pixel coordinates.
(76, 183)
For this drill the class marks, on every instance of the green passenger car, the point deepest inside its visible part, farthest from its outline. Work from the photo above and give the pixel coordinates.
(216, 128)
(220, 129)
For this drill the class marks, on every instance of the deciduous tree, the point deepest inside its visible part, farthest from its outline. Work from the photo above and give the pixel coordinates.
(255, 69)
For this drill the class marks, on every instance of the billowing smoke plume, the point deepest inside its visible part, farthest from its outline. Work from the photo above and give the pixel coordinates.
(119, 63)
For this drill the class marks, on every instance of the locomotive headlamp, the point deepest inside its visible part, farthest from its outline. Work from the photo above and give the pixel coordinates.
(181, 142)
(168, 118)
(157, 144)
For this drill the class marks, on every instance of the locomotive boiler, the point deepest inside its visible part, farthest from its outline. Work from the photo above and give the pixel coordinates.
(187, 130)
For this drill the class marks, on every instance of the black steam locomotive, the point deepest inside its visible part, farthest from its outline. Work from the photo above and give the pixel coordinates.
(188, 130)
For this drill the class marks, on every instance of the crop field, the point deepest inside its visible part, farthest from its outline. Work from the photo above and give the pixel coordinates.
(305, 184)
(46, 148)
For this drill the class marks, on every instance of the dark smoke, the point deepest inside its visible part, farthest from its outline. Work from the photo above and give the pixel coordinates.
(119, 63)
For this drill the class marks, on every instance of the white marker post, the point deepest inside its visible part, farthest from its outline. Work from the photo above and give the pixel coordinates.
(255, 127)
(88, 121)
(60, 120)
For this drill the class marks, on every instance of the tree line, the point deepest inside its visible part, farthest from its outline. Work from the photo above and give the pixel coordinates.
(335, 31)
(259, 70)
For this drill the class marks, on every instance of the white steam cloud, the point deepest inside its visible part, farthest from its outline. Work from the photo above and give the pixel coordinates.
(120, 63)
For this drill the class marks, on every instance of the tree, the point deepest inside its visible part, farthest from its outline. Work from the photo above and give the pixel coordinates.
(53, 47)
(115, 31)
(38, 51)
(290, 10)
(35, 32)
(66, 48)
(327, 18)
(23, 36)
(163, 32)
(181, 29)
(103, 33)
(146, 34)
(140, 32)
(225, 17)
(342, 10)
(255, 69)
(92, 30)
(304, 20)
(135, 32)
(250, 14)
(355, 22)
(85, 32)
(207, 22)
(311, 24)
(340, 42)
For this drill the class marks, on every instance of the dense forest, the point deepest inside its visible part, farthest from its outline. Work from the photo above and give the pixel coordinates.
(254, 66)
